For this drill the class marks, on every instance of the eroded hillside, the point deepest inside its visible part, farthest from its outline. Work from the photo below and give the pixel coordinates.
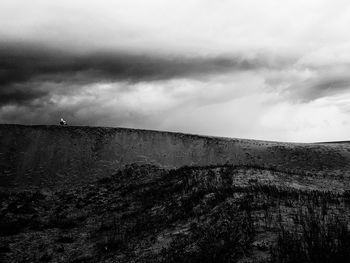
(192, 214)
(82, 194)
(50, 156)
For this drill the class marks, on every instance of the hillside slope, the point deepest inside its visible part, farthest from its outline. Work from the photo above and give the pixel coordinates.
(191, 214)
(83, 194)
(48, 156)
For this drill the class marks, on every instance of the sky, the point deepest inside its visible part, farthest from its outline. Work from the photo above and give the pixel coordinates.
(271, 70)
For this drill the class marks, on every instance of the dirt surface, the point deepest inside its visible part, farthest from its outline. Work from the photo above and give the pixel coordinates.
(82, 194)
(54, 156)
(192, 214)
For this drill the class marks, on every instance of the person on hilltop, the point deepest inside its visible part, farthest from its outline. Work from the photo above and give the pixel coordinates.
(63, 122)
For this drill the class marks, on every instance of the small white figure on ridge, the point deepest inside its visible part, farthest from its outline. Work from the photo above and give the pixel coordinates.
(63, 122)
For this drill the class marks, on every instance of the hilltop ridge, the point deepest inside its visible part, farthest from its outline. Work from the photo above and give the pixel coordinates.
(95, 194)
(42, 156)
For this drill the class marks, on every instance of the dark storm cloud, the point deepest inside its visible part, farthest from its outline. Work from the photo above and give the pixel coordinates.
(332, 85)
(23, 68)
(319, 87)
(20, 64)
(19, 93)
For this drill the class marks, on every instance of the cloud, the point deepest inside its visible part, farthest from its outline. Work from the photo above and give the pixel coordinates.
(305, 86)
(144, 104)
(20, 64)
(29, 72)
(19, 93)
(197, 26)
(231, 68)
(325, 86)
(232, 105)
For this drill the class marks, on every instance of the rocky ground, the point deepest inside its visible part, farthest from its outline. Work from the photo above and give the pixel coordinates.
(229, 213)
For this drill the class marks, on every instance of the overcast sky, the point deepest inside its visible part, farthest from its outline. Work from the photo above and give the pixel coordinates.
(260, 69)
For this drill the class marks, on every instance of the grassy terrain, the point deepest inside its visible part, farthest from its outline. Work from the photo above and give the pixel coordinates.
(143, 213)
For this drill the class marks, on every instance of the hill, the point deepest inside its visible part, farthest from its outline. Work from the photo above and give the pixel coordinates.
(83, 194)
(46, 156)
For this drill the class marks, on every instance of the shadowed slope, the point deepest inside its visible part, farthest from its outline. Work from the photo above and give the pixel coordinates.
(47, 156)
(192, 214)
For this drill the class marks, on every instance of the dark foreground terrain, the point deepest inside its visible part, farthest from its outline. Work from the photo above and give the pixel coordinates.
(263, 202)
(192, 214)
